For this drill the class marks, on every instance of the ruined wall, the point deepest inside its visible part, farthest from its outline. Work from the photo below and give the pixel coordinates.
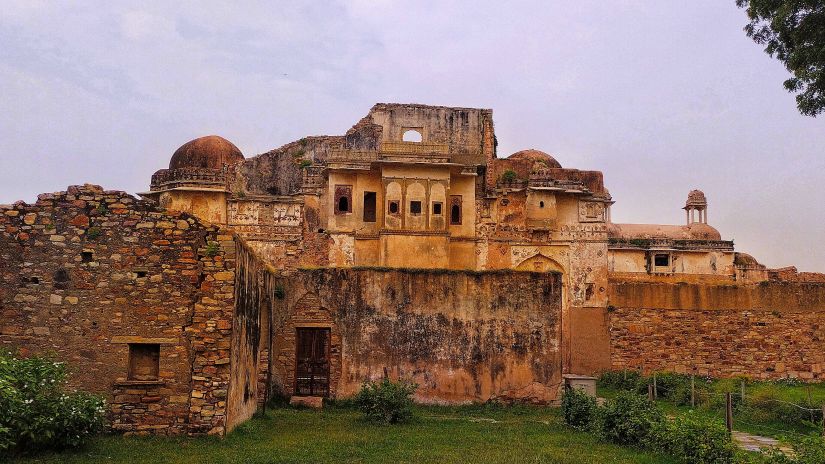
(767, 330)
(86, 272)
(253, 294)
(461, 336)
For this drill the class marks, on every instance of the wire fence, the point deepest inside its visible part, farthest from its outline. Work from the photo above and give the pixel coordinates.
(757, 411)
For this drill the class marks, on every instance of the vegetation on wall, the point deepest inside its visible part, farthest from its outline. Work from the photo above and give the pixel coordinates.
(508, 176)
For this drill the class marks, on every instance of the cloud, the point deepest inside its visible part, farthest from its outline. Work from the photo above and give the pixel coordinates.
(663, 99)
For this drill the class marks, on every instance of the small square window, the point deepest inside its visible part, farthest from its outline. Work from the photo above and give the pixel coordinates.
(392, 206)
(141, 274)
(415, 207)
(87, 256)
(144, 361)
(437, 208)
(661, 260)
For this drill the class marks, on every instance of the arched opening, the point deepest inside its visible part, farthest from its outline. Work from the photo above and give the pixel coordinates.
(455, 214)
(412, 135)
(540, 263)
(343, 204)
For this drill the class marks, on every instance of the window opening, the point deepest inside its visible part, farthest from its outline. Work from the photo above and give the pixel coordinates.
(660, 260)
(343, 199)
(455, 209)
(437, 208)
(415, 207)
(393, 206)
(412, 135)
(86, 256)
(369, 206)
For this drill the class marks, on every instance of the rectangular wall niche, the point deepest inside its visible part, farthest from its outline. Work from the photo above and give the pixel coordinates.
(436, 208)
(144, 361)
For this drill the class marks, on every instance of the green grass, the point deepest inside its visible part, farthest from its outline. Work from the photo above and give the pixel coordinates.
(338, 434)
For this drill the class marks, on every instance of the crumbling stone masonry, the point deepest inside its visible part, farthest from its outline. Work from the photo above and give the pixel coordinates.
(137, 300)
(769, 330)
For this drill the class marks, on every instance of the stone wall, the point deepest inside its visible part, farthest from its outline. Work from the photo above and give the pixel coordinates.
(462, 336)
(767, 330)
(85, 273)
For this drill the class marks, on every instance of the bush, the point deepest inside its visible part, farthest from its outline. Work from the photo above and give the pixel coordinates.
(623, 380)
(579, 408)
(36, 411)
(695, 440)
(386, 401)
(629, 419)
(509, 176)
(808, 450)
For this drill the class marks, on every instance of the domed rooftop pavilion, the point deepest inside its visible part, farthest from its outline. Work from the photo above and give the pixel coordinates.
(537, 157)
(210, 152)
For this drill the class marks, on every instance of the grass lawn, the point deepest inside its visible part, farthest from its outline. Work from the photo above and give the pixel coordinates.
(337, 434)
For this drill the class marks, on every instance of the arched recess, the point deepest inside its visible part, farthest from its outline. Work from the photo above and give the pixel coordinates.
(412, 135)
(540, 263)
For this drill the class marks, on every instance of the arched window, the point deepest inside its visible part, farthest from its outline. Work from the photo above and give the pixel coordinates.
(343, 199)
(455, 209)
(412, 135)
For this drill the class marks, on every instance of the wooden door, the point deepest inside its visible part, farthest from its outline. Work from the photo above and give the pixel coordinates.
(312, 362)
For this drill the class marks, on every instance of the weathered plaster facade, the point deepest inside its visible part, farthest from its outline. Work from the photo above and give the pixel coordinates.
(405, 247)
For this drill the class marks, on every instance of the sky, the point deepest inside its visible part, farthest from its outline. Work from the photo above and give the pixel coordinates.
(663, 96)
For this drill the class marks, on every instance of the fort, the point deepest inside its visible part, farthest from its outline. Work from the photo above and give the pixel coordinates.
(406, 247)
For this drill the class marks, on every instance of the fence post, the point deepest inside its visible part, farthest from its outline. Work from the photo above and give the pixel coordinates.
(692, 391)
(728, 412)
(743, 390)
(650, 392)
(655, 388)
(823, 420)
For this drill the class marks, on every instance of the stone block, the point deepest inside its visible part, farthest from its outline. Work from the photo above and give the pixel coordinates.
(314, 402)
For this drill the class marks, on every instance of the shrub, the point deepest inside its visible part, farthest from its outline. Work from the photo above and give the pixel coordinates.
(629, 419)
(93, 233)
(36, 411)
(579, 408)
(212, 249)
(695, 440)
(509, 176)
(623, 380)
(808, 450)
(386, 401)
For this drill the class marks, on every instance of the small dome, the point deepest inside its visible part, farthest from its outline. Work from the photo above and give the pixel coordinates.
(696, 198)
(210, 152)
(537, 157)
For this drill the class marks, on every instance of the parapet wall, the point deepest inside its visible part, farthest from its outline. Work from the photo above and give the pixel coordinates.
(462, 336)
(767, 330)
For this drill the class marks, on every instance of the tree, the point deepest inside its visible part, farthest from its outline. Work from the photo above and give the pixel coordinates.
(793, 31)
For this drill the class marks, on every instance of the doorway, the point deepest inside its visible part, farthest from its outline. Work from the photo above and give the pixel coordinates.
(312, 362)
